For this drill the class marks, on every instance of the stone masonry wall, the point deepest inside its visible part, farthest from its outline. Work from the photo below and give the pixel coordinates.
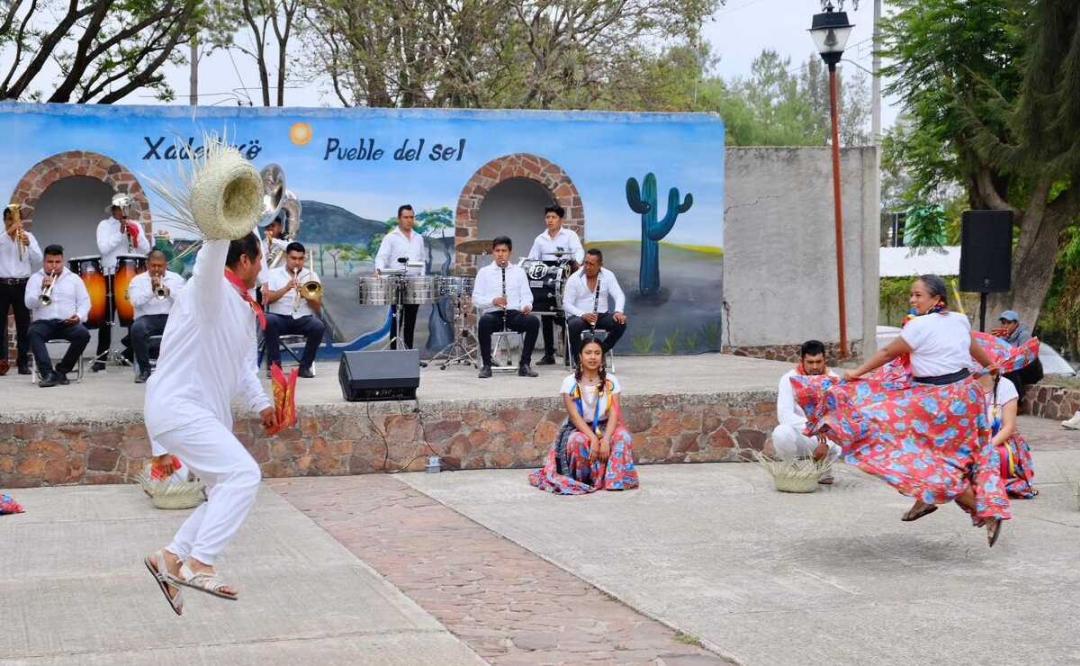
(790, 353)
(388, 437)
(1052, 402)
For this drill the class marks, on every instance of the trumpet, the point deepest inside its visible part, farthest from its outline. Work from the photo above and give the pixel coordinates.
(45, 298)
(161, 292)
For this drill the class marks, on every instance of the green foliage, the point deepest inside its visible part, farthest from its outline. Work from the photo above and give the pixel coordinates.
(690, 342)
(925, 226)
(710, 333)
(643, 344)
(671, 343)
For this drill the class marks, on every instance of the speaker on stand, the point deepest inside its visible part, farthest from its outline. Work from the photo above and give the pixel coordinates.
(986, 255)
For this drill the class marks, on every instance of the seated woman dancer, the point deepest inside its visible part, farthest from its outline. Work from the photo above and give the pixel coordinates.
(592, 450)
(1017, 469)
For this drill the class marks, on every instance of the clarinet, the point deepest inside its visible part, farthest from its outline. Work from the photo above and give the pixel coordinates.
(596, 298)
(503, 269)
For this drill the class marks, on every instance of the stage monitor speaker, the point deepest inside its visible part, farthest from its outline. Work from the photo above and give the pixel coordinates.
(380, 375)
(986, 251)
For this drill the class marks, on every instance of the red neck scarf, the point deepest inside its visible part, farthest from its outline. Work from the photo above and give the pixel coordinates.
(242, 289)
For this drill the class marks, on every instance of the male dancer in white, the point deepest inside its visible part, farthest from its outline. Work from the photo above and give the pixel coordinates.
(208, 357)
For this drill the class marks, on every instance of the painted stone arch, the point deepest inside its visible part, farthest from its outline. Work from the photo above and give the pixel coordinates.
(517, 165)
(80, 163)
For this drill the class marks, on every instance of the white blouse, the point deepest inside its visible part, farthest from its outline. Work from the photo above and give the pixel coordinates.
(588, 396)
(940, 343)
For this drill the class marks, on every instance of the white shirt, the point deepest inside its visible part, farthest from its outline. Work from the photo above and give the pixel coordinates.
(69, 297)
(141, 294)
(940, 343)
(207, 353)
(1006, 393)
(588, 396)
(10, 264)
(578, 299)
(395, 245)
(113, 242)
(489, 286)
(788, 412)
(267, 243)
(279, 277)
(545, 245)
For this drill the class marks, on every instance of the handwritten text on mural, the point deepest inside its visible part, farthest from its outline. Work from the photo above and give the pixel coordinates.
(368, 150)
(157, 150)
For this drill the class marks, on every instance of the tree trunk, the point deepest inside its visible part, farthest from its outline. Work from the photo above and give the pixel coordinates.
(1032, 269)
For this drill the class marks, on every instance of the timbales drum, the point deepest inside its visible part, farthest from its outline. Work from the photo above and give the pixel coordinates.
(127, 267)
(88, 269)
(546, 280)
(419, 290)
(379, 290)
(454, 286)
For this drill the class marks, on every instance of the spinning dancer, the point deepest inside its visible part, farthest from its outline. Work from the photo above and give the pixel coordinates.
(208, 358)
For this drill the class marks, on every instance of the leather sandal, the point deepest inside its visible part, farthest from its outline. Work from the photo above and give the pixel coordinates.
(913, 515)
(155, 563)
(210, 583)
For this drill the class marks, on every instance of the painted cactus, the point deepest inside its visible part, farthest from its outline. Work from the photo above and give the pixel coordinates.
(643, 201)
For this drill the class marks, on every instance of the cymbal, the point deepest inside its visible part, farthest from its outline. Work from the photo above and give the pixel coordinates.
(475, 247)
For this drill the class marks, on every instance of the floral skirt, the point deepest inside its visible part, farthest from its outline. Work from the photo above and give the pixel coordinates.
(9, 505)
(568, 471)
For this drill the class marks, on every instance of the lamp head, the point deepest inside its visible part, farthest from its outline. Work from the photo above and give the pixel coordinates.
(830, 31)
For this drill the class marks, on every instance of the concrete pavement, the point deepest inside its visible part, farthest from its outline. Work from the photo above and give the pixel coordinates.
(829, 578)
(73, 590)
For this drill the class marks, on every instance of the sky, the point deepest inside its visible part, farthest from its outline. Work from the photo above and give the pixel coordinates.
(737, 32)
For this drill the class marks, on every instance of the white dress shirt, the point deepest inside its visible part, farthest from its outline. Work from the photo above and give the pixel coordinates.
(578, 299)
(113, 242)
(141, 294)
(279, 277)
(10, 264)
(69, 297)
(267, 243)
(489, 286)
(545, 245)
(208, 351)
(395, 245)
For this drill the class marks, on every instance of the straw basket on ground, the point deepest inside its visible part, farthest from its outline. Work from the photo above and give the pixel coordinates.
(797, 475)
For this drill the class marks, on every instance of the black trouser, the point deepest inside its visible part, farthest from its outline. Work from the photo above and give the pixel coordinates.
(11, 295)
(409, 325)
(515, 321)
(606, 321)
(548, 329)
(43, 330)
(309, 326)
(141, 331)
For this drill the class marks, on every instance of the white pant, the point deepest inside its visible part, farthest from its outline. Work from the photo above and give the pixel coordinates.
(789, 442)
(232, 480)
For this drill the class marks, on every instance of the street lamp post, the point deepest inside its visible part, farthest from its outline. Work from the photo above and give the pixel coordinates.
(830, 30)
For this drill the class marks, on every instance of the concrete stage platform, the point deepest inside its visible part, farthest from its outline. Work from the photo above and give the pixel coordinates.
(679, 409)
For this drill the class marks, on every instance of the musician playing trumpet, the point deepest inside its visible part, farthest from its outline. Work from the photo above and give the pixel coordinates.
(586, 302)
(60, 303)
(18, 250)
(152, 294)
(294, 297)
(116, 235)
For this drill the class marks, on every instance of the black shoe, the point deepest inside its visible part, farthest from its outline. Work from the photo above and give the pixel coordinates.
(485, 372)
(46, 382)
(306, 373)
(60, 378)
(142, 377)
(98, 366)
(525, 371)
(548, 359)
(24, 369)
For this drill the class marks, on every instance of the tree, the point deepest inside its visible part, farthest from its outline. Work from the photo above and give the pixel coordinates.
(105, 49)
(994, 98)
(264, 19)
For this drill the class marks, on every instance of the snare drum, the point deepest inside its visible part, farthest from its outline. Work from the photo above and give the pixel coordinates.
(379, 290)
(419, 290)
(127, 267)
(546, 280)
(89, 271)
(455, 286)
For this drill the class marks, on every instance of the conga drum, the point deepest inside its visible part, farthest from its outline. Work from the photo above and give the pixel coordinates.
(89, 271)
(127, 267)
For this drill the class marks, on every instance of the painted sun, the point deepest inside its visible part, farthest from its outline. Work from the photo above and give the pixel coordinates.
(301, 134)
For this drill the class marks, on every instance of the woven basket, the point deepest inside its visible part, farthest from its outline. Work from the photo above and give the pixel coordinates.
(172, 494)
(794, 475)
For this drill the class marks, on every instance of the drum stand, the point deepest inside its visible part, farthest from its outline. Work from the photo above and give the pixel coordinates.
(113, 354)
(463, 348)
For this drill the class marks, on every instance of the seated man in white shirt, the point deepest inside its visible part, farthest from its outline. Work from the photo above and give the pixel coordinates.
(59, 317)
(502, 292)
(292, 310)
(788, 438)
(152, 294)
(585, 301)
(556, 243)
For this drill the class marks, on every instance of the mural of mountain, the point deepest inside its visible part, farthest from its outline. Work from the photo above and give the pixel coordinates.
(327, 223)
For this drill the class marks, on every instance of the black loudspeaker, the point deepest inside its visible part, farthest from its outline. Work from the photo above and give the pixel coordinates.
(380, 375)
(986, 251)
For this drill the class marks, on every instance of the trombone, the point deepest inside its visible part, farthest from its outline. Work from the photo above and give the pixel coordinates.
(45, 298)
(310, 290)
